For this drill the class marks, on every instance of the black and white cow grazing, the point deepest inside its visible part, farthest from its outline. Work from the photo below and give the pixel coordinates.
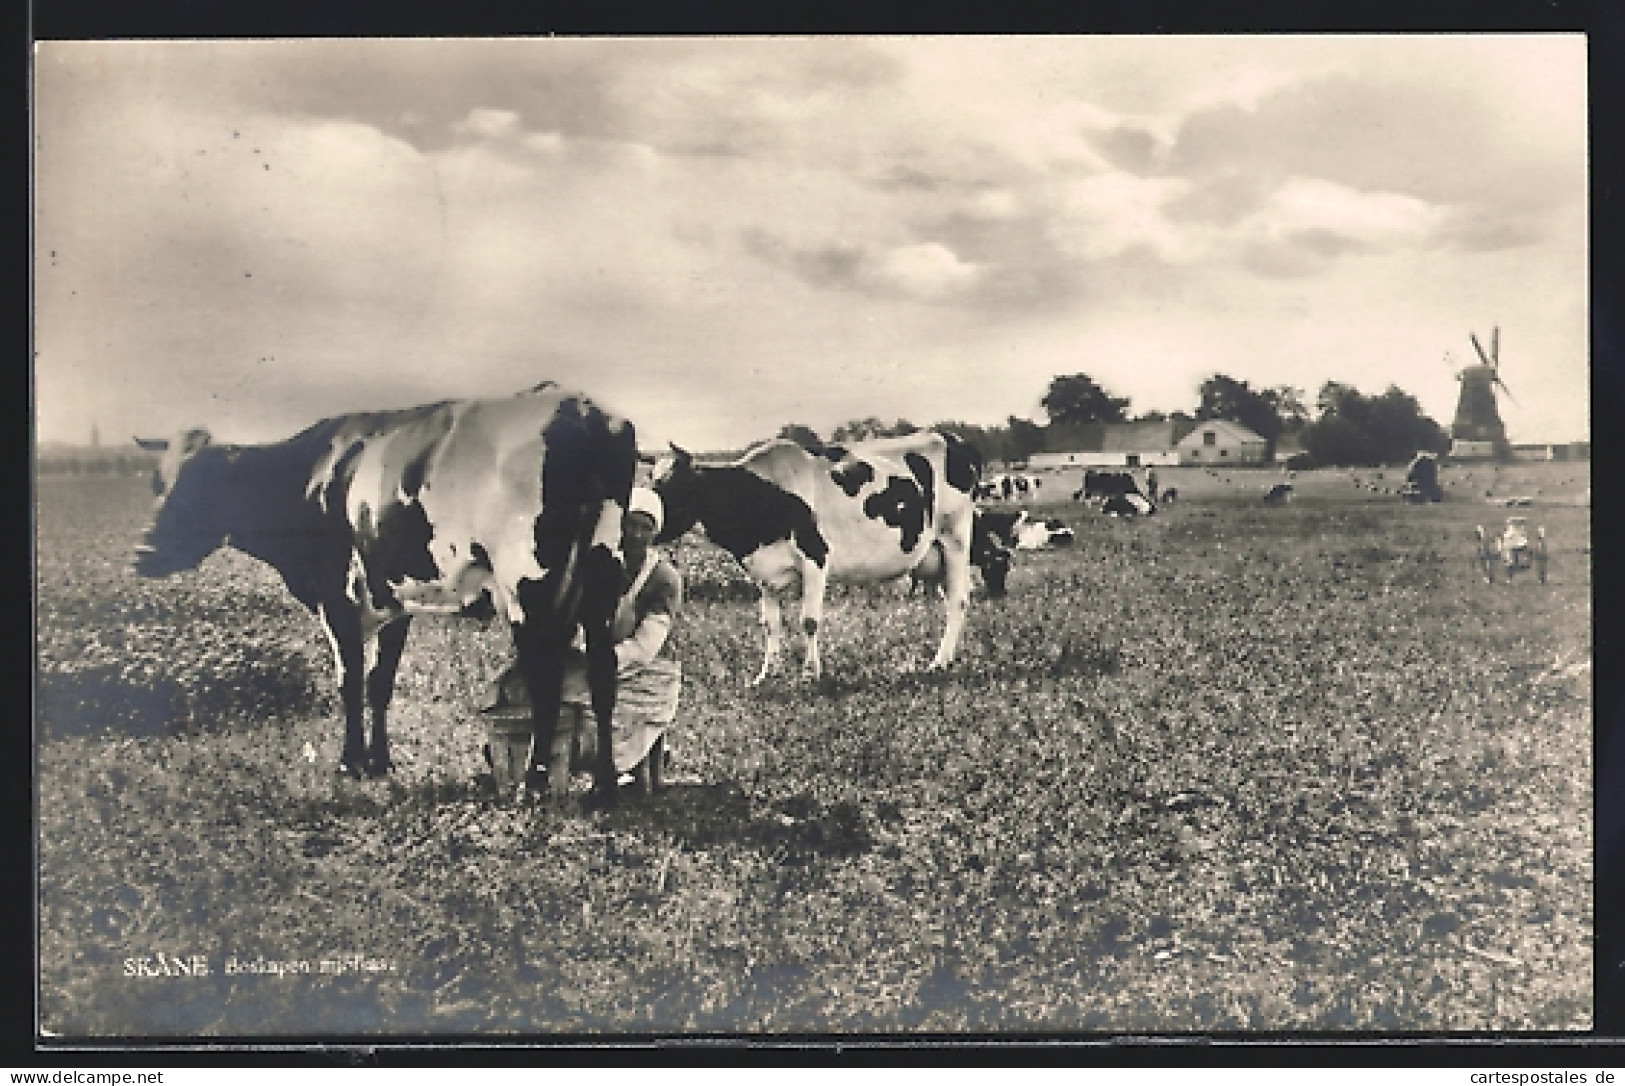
(445, 508)
(863, 513)
(1000, 524)
(1105, 485)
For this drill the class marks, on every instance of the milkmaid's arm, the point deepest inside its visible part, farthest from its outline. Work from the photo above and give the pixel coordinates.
(657, 605)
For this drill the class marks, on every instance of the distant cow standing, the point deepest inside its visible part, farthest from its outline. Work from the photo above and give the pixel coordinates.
(370, 518)
(869, 512)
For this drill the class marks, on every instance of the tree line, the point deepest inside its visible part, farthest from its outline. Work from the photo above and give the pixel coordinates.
(1344, 427)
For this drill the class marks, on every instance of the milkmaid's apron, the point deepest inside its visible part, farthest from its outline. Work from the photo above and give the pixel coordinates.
(645, 697)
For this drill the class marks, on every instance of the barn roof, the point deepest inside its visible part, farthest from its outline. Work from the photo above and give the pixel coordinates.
(1132, 437)
(1145, 436)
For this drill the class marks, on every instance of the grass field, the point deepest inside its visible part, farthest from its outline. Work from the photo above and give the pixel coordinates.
(1229, 768)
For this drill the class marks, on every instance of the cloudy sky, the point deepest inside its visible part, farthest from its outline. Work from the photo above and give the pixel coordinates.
(716, 237)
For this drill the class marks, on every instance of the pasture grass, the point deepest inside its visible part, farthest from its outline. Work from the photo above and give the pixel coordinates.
(1226, 769)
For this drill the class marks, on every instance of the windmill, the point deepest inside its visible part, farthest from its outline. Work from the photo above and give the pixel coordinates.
(1477, 432)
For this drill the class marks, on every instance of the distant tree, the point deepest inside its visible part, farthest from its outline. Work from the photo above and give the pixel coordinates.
(1357, 429)
(805, 436)
(1224, 397)
(1289, 406)
(857, 430)
(1152, 416)
(1399, 428)
(991, 441)
(1338, 400)
(1335, 440)
(1025, 438)
(1077, 399)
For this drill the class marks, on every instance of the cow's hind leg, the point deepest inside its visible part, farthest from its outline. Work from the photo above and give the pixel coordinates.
(956, 600)
(541, 665)
(813, 579)
(342, 624)
(391, 640)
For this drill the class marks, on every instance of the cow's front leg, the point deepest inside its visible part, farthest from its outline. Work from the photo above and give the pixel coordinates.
(770, 628)
(342, 624)
(391, 640)
(541, 665)
(813, 578)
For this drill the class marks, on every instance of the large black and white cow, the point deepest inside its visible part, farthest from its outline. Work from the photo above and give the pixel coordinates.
(453, 507)
(867, 512)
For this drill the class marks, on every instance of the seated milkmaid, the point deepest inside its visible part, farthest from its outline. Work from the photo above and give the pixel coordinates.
(647, 683)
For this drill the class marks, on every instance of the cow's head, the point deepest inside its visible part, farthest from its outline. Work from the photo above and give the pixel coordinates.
(677, 480)
(187, 524)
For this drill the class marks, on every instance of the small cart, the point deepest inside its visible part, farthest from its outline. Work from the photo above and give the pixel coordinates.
(1513, 550)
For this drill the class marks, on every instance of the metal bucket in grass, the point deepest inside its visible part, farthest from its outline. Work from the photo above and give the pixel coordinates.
(508, 738)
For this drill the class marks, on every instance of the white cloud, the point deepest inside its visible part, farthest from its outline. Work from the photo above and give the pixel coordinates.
(928, 271)
(1106, 215)
(1372, 218)
(489, 123)
(548, 143)
(993, 205)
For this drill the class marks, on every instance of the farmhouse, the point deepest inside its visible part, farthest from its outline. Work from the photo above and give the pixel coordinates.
(1220, 441)
(1112, 445)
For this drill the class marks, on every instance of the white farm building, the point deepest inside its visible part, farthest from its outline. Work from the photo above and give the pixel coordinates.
(1112, 445)
(1220, 441)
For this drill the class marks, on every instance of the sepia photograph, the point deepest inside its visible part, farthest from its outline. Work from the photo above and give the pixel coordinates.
(779, 537)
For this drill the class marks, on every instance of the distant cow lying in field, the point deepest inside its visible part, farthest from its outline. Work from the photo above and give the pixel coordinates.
(1278, 494)
(864, 513)
(446, 508)
(1022, 531)
(1127, 505)
(1038, 535)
